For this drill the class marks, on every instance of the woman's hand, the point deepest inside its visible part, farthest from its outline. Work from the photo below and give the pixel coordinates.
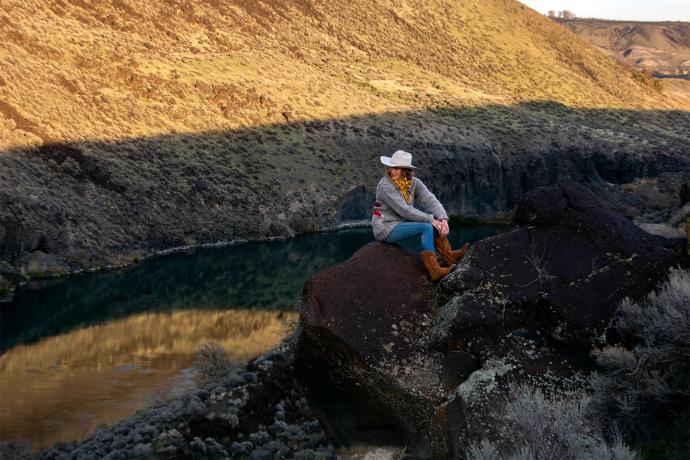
(441, 226)
(446, 226)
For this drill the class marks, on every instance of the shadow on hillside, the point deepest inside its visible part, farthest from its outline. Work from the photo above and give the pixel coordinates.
(88, 200)
(91, 200)
(464, 145)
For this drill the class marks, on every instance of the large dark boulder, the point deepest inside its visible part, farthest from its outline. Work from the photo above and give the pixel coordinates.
(387, 356)
(359, 338)
(568, 262)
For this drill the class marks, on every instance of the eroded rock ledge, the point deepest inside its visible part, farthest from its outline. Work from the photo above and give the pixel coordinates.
(389, 357)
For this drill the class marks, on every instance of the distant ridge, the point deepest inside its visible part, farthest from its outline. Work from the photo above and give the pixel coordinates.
(660, 47)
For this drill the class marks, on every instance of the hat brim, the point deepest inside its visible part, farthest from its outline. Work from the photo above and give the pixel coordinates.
(388, 162)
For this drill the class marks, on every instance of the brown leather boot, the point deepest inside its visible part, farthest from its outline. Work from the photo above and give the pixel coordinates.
(449, 255)
(431, 263)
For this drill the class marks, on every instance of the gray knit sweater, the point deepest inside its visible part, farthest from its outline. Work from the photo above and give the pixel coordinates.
(390, 208)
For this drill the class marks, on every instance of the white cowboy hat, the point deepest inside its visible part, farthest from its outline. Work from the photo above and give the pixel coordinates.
(400, 159)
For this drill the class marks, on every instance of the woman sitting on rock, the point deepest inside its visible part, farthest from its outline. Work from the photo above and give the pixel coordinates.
(395, 218)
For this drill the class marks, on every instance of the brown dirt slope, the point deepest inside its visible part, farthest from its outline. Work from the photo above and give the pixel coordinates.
(662, 47)
(76, 69)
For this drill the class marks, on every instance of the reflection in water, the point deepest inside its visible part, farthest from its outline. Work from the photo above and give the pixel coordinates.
(265, 275)
(93, 348)
(251, 275)
(61, 387)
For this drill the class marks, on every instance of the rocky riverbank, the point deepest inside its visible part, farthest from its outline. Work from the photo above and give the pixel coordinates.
(382, 356)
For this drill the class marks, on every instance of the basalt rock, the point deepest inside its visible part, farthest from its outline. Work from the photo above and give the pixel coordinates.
(361, 343)
(387, 356)
(567, 263)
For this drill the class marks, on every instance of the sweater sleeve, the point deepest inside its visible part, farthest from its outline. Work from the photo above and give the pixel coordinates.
(429, 201)
(393, 198)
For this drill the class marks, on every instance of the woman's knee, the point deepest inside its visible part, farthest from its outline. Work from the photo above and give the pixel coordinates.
(428, 237)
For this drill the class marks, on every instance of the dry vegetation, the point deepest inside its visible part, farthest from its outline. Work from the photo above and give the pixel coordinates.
(115, 69)
(639, 396)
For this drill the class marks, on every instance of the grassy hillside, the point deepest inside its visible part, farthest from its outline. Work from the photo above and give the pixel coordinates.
(129, 126)
(662, 47)
(120, 68)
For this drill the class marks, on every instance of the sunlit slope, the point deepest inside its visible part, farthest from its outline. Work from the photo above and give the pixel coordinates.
(77, 69)
(663, 47)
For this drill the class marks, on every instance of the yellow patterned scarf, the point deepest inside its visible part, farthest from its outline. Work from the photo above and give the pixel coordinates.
(404, 185)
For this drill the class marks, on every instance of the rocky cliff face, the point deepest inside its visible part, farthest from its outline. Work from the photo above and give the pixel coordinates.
(389, 356)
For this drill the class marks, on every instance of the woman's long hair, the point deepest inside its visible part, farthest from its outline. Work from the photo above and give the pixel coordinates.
(406, 173)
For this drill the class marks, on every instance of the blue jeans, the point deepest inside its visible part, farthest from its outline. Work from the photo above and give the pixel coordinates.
(405, 230)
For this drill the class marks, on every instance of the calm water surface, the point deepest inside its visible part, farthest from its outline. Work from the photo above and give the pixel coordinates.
(95, 348)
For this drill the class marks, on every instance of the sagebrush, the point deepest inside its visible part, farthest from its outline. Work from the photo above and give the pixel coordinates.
(654, 376)
(212, 362)
(531, 426)
(637, 385)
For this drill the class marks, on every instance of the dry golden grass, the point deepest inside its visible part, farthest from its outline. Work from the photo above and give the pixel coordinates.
(74, 69)
(62, 386)
(680, 89)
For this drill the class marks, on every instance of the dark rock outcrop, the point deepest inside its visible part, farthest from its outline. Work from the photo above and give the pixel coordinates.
(361, 342)
(38, 262)
(525, 306)
(568, 263)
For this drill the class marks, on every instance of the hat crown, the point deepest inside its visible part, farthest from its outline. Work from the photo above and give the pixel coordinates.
(402, 158)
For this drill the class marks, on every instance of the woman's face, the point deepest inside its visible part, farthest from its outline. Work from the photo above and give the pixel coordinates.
(396, 173)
